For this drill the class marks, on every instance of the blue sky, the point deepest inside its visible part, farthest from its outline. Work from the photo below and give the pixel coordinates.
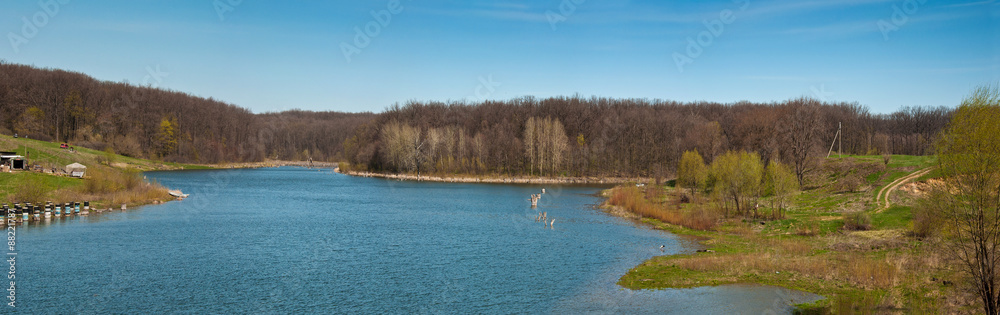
(277, 55)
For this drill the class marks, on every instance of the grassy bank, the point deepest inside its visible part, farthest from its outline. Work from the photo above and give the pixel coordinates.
(835, 241)
(110, 180)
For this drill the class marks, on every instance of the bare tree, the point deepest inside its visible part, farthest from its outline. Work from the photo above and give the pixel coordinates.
(801, 131)
(969, 157)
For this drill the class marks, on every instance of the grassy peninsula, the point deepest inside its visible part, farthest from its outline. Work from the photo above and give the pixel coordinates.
(836, 239)
(110, 180)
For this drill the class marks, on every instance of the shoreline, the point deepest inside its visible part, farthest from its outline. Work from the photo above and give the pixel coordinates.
(702, 243)
(498, 180)
(270, 163)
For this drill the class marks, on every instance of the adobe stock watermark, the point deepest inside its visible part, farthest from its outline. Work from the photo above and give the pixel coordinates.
(363, 36)
(154, 74)
(223, 7)
(821, 93)
(486, 88)
(566, 8)
(713, 29)
(899, 17)
(781, 303)
(129, 101)
(48, 9)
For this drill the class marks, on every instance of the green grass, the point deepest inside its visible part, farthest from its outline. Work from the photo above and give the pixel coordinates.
(896, 161)
(10, 181)
(821, 211)
(49, 153)
(896, 217)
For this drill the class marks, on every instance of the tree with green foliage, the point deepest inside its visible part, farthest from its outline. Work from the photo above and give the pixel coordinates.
(969, 201)
(779, 183)
(168, 135)
(30, 121)
(736, 178)
(691, 172)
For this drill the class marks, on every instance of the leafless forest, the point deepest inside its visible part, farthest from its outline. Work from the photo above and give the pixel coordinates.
(623, 137)
(145, 122)
(573, 136)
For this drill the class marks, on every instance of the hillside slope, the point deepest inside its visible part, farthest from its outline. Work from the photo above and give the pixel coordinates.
(111, 178)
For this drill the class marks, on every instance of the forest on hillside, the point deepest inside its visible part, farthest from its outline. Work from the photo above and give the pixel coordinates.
(145, 122)
(561, 136)
(574, 136)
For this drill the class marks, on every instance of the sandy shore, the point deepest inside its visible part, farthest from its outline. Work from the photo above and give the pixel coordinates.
(499, 180)
(274, 164)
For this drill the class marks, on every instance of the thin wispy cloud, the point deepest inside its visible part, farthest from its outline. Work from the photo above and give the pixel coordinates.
(789, 78)
(778, 8)
(516, 14)
(836, 29)
(972, 4)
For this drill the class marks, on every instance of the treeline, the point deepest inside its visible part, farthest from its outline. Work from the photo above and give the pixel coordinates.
(574, 136)
(553, 137)
(145, 122)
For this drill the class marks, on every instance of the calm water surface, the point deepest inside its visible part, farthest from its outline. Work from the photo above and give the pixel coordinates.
(294, 240)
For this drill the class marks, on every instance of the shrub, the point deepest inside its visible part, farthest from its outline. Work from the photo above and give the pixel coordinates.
(858, 221)
(29, 190)
(807, 229)
(102, 181)
(926, 221)
(633, 200)
(107, 157)
(849, 183)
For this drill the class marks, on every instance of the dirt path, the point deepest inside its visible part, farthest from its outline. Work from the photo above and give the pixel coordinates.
(883, 195)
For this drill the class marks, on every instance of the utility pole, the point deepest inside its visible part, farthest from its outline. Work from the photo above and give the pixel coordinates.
(840, 152)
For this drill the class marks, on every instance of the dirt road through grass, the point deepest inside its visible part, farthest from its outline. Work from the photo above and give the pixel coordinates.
(883, 195)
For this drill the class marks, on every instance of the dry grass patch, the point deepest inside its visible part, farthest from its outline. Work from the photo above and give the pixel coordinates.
(115, 187)
(632, 199)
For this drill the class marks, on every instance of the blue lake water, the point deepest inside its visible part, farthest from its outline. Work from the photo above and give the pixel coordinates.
(295, 240)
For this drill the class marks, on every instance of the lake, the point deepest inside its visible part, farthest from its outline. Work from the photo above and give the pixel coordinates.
(296, 240)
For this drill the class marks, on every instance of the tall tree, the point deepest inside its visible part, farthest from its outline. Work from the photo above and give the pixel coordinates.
(969, 158)
(736, 178)
(779, 183)
(168, 135)
(802, 130)
(691, 172)
(530, 144)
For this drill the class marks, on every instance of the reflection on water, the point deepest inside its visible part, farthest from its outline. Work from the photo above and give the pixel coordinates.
(293, 240)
